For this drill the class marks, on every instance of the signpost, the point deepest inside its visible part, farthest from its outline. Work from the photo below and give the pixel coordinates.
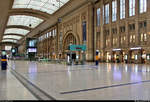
(81, 48)
(77, 47)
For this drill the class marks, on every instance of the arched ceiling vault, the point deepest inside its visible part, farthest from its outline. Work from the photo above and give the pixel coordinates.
(15, 34)
(19, 26)
(10, 39)
(8, 43)
(40, 10)
(30, 12)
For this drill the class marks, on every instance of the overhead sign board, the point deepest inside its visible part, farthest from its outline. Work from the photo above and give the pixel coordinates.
(77, 47)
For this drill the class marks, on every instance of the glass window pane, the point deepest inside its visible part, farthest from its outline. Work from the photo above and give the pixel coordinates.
(48, 6)
(12, 36)
(114, 10)
(23, 20)
(98, 17)
(16, 31)
(15, 41)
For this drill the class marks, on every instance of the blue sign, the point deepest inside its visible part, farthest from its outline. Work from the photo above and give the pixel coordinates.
(84, 30)
(77, 47)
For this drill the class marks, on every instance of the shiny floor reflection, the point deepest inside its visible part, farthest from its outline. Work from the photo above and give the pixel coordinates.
(12, 89)
(129, 81)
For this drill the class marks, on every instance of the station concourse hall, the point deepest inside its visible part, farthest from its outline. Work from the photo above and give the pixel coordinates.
(75, 50)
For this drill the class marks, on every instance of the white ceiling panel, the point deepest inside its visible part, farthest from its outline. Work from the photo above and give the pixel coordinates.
(15, 41)
(12, 36)
(23, 20)
(16, 31)
(48, 6)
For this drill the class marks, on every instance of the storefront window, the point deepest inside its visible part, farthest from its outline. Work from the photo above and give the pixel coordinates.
(145, 37)
(136, 57)
(133, 38)
(126, 57)
(113, 41)
(148, 57)
(144, 56)
(108, 56)
(124, 38)
(141, 37)
(133, 56)
(130, 38)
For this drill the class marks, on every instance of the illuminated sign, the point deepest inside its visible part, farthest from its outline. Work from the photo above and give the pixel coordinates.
(77, 47)
(116, 49)
(32, 50)
(8, 48)
(136, 48)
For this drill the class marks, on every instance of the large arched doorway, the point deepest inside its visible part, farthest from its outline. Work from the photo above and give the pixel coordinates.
(69, 39)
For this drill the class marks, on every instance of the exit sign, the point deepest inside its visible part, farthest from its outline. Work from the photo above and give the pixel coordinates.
(77, 47)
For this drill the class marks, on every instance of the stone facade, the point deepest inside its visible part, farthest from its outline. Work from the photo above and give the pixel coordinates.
(123, 43)
(69, 30)
(113, 40)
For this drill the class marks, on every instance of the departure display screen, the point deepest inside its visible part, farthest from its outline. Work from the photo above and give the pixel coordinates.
(32, 43)
(32, 49)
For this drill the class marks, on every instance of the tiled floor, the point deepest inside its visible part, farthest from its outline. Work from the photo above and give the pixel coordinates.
(105, 82)
(12, 89)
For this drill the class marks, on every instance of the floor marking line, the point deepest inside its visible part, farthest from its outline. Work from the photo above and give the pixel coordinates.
(43, 92)
(98, 88)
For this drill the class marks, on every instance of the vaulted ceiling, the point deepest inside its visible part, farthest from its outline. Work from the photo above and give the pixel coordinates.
(20, 18)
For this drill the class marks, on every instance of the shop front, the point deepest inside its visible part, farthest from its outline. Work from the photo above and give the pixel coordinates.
(144, 58)
(116, 55)
(148, 58)
(146, 55)
(135, 55)
(108, 56)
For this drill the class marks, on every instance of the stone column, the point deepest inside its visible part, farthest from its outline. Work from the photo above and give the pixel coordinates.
(127, 8)
(148, 6)
(90, 33)
(102, 36)
(110, 23)
(126, 22)
(118, 27)
(148, 21)
(137, 37)
(95, 29)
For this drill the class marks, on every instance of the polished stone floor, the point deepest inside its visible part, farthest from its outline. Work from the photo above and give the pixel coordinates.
(12, 89)
(108, 81)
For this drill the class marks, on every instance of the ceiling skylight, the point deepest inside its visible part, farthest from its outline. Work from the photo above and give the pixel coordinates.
(48, 6)
(12, 36)
(15, 41)
(23, 20)
(16, 31)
